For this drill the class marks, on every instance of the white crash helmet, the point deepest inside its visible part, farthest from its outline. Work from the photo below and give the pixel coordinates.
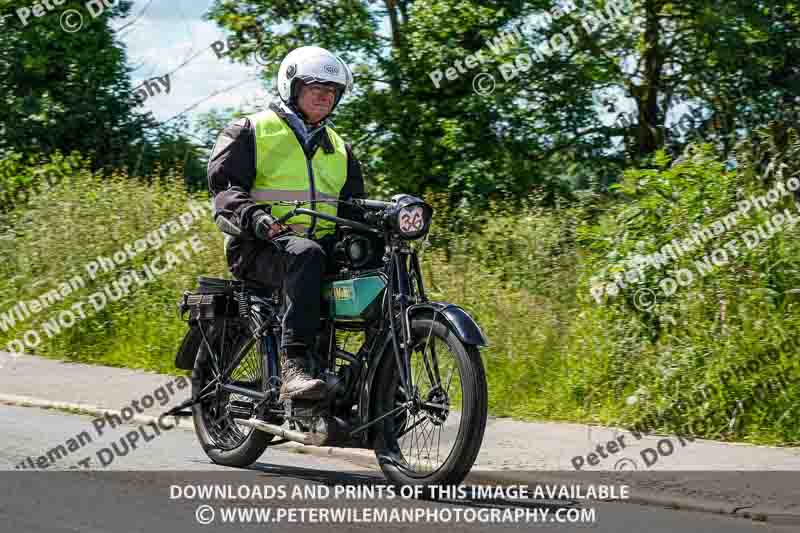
(312, 64)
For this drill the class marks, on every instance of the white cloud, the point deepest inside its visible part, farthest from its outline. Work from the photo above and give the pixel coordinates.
(169, 34)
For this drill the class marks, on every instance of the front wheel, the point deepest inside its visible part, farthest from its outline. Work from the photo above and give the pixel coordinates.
(437, 439)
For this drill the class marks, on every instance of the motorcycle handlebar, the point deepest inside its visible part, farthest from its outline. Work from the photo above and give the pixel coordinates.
(369, 204)
(372, 204)
(337, 220)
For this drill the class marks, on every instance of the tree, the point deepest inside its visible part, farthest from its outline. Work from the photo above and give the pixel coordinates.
(71, 91)
(734, 60)
(418, 125)
(66, 91)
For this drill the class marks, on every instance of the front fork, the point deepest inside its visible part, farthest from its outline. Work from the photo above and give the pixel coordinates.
(401, 297)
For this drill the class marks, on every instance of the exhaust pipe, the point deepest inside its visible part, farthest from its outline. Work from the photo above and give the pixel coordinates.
(288, 434)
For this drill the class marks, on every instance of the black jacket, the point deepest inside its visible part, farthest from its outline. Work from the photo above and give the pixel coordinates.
(232, 170)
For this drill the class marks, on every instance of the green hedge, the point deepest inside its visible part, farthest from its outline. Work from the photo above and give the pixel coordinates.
(555, 352)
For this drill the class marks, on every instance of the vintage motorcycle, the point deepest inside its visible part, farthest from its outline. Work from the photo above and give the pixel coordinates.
(413, 385)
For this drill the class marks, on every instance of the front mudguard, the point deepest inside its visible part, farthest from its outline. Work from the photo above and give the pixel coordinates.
(453, 316)
(459, 321)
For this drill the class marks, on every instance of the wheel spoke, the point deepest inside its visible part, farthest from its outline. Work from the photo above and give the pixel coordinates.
(417, 373)
(429, 373)
(409, 428)
(411, 440)
(425, 443)
(439, 444)
(449, 379)
(437, 380)
(432, 368)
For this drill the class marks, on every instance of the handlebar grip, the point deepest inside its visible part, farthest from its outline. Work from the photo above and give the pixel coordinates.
(373, 204)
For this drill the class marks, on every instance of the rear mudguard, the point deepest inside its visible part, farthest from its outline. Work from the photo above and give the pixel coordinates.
(187, 353)
(454, 317)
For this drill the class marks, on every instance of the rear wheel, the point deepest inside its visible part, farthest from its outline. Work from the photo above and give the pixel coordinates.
(436, 440)
(223, 440)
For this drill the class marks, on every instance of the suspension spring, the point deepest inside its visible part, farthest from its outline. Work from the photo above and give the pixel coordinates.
(244, 304)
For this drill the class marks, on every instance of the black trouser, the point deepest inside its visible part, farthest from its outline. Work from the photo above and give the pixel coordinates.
(296, 264)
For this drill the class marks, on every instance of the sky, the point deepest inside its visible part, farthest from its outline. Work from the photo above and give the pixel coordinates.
(165, 34)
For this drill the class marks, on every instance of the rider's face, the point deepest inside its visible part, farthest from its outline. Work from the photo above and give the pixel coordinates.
(316, 101)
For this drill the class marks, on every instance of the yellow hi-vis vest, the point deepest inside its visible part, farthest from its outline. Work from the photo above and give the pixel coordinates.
(284, 173)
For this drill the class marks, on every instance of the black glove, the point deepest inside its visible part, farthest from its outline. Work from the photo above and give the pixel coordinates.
(267, 227)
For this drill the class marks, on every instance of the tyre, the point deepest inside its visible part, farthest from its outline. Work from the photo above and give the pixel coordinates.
(451, 411)
(223, 440)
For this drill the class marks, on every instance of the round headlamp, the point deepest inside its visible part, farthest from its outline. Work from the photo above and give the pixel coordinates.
(410, 217)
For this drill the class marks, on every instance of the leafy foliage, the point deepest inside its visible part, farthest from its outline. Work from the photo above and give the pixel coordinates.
(48, 243)
(71, 92)
(733, 309)
(542, 128)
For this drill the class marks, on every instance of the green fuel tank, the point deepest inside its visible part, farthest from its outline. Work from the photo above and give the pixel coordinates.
(354, 299)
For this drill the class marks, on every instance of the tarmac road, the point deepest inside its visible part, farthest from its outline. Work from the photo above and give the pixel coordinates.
(143, 489)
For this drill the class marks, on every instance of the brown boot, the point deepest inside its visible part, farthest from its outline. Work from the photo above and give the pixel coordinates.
(297, 383)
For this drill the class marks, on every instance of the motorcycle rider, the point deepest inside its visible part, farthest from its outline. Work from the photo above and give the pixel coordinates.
(288, 152)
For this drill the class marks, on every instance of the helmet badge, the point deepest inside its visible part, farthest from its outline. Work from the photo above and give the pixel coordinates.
(291, 70)
(332, 69)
